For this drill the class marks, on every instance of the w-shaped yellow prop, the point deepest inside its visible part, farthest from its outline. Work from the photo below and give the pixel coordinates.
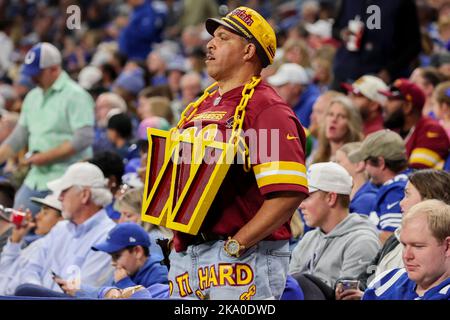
(184, 173)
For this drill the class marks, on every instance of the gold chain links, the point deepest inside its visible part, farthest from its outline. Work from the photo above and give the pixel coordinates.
(236, 137)
(238, 121)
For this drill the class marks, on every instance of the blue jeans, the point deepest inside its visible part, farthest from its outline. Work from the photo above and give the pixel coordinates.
(206, 271)
(22, 199)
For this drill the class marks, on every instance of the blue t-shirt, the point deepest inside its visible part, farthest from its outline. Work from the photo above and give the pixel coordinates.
(304, 107)
(364, 199)
(386, 212)
(395, 285)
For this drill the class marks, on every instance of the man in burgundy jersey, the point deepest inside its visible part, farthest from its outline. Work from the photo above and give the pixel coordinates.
(427, 144)
(241, 250)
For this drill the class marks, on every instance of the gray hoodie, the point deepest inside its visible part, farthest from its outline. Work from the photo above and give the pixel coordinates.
(343, 252)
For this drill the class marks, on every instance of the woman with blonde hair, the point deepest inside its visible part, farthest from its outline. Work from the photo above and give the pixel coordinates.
(343, 124)
(129, 205)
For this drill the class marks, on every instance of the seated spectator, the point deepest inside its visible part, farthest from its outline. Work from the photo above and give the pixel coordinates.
(384, 154)
(425, 235)
(318, 117)
(14, 259)
(152, 122)
(365, 95)
(342, 124)
(427, 79)
(66, 249)
(422, 185)
(292, 83)
(128, 244)
(364, 192)
(342, 243)
(427, 144)
(154, 106)
(120, 133)
(112, 167)
(442, 107)
(129, 205)
(104, 103)
(7, 192)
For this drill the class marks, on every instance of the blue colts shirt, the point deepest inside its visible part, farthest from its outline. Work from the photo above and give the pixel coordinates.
(386, 213)
(395, 285)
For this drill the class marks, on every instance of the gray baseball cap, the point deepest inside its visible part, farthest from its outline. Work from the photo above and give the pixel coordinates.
(384, 143)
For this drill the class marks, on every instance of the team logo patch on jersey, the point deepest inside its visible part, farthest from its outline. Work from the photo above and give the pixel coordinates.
(217, 115)
(431, 134)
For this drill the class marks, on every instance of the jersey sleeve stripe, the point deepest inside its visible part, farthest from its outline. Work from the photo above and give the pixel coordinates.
(282, 178)
(426, 157)
(279, 165)
(379, 291)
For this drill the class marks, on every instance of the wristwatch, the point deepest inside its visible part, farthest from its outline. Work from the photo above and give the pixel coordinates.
(233, 247)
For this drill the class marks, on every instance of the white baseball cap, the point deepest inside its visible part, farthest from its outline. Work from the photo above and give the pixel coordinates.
(50, 200)
(320, 28)
(83, 174)
(368, 86)
(89, 76)
(289, 73)
(329, 177)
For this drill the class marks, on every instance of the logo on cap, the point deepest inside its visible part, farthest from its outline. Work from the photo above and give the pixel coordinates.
(29, 58)
(245, 17)
(132, 239)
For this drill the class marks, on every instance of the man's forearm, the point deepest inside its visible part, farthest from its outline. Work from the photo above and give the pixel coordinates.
(62, 151)
(272, 214)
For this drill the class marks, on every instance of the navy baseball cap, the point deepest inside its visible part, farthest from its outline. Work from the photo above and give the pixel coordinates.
(123, 235)
(39, 57)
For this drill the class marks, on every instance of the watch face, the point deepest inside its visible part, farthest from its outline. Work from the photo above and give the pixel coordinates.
(233, 247)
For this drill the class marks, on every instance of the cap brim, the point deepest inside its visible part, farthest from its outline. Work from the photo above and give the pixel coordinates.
(276, 80)
(312, 189)
(58, 185)
(212, 24)
(107, 247)
(45, 203)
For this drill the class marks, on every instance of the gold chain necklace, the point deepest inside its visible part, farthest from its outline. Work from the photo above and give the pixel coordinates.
(237, 139)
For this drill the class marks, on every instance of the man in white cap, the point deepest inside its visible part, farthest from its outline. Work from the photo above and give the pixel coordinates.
(342, 244)
(66, 251)
(56, 124)
(365, 95)
(292, 83)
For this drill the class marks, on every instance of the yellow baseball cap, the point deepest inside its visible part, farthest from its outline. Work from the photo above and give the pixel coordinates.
(252, 26)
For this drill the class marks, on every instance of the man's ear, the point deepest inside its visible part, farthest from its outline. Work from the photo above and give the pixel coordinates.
(331, 198)
(447, 247)
(249, 51)
(85, 196)
(381, 162)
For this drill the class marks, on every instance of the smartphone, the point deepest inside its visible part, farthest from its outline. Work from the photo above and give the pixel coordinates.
(347, 284)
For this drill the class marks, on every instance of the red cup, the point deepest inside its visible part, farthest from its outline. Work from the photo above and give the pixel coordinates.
(18, 217)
